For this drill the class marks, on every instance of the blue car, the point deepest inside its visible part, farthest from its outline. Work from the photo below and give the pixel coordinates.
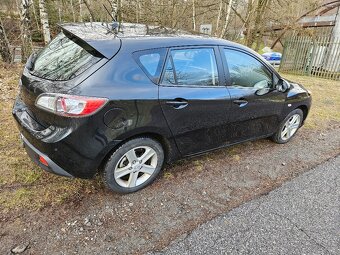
(273, 58)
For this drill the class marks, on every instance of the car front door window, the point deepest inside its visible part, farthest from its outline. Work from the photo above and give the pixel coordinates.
(246, 71)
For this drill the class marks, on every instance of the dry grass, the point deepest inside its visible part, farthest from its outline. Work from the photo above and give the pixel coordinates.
(326, 100)
(24, 185)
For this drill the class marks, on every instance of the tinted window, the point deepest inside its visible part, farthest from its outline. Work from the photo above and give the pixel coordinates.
(151, 62)
(62, 59)
(246, 71)
(191, 67)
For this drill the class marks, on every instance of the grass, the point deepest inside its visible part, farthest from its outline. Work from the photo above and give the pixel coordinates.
(325, 100)
(24, 185)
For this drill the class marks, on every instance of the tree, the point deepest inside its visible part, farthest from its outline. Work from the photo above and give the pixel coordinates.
(227, 17)
(44, 22)
(5, 51)
(26, 39)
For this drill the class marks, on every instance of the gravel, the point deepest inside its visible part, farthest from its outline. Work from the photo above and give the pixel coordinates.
(301, 217)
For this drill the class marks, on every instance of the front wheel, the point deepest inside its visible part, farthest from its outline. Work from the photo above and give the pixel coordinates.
(288, 127)
(134, 165)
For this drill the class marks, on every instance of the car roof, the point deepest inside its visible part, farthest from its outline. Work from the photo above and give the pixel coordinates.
(104, 37)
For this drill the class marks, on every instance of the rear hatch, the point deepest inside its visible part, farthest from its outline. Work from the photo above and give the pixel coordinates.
(62, 65)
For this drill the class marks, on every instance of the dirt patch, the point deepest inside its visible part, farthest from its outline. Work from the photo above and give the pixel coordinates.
(55, 215)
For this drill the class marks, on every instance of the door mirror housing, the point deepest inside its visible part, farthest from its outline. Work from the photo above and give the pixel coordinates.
(282, 85)
(261, 92)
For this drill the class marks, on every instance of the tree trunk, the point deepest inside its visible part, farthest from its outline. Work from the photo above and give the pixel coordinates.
(26, 39)
(35, 16)
(227, 17)
(60, 12)
(5, 50)
(44, 22)
(218, 17)
(247, 26)
(72, 10)
(138, 11)
(193, 15)
(89, 9)
(81, 10)
(114, 14)
(255, 34)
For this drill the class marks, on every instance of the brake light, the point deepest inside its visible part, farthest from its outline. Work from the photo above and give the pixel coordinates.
(70, 105)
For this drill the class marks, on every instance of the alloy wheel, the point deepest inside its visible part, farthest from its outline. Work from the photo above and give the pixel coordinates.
(290, 127)
(135, 166)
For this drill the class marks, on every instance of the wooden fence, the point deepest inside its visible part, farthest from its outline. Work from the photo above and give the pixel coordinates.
(312, 56)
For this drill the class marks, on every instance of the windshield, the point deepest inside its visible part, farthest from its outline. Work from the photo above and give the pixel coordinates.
(63, 59)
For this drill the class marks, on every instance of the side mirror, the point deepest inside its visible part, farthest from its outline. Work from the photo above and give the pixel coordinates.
(282, 85)
(263, 91)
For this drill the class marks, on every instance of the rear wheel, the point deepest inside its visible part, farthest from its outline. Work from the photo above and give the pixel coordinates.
(288, 127)
(134, 165)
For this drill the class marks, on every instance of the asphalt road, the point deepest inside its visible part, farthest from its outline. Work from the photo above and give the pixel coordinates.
(301, 217)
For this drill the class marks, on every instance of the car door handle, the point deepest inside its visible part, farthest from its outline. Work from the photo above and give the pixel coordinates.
(177, 104)
(240, 102)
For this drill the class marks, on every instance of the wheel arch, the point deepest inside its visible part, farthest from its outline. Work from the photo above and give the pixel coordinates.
(169, 147)
(304, 110)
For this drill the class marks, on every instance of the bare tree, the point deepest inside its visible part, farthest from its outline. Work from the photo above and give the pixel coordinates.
(227, 17)
(35, 15)
(219, 16)
(193, 15)
(26, 39)
(44, 22)
(5, 50)
(92, 17)
(81, 10)
(114, 6)
(72, 10)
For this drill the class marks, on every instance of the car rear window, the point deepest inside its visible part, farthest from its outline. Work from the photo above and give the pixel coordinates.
(63, 59)
(151, 62)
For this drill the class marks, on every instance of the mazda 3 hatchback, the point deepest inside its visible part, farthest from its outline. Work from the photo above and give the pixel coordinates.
(125, 103)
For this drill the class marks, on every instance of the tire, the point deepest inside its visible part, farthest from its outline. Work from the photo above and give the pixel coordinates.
(134, 165)
(281, 136)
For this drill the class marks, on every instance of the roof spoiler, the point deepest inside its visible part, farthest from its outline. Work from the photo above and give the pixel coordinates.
(94, 37)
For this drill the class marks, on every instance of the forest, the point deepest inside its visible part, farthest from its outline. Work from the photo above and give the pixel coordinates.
(32, 23)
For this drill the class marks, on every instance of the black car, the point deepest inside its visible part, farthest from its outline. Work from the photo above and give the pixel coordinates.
(128, 101)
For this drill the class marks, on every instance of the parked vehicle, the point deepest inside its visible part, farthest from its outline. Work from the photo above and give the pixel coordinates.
(128, 102)
(274, 58)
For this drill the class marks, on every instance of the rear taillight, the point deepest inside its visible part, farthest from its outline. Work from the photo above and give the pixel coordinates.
(70, 105)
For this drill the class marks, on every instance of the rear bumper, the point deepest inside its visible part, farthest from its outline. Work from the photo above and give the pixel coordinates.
(35, 154)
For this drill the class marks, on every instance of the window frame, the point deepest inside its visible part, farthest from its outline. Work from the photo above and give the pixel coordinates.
(219, 66)
(274, 77)
(162, 60)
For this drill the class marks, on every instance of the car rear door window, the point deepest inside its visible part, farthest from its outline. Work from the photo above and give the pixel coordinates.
(151, 62)
(246, 71)
(196, 66)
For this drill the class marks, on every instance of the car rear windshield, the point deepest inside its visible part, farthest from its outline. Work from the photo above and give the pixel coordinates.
(63, 59)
